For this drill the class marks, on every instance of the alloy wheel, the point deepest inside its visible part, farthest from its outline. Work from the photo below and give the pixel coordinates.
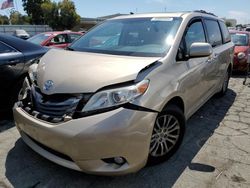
(165, 135)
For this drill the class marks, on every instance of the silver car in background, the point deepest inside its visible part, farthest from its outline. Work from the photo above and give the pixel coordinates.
(21, 33)
(119, 97)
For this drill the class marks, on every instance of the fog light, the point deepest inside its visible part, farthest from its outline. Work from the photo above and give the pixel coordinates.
(119, 160)
(115, 160)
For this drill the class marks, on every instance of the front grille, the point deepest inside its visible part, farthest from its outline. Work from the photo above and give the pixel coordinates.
(53, 108)
(56, 105)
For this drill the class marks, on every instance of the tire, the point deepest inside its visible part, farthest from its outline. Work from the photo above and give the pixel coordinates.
(224, 86)
(167, 134)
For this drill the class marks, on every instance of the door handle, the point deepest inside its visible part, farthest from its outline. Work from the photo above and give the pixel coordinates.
(213, 58)
(210, 60)
(216, 56)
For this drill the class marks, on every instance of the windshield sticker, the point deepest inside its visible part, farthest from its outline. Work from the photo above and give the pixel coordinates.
(162, 19)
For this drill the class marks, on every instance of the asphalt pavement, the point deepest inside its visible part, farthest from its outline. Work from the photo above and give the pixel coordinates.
(215, 153)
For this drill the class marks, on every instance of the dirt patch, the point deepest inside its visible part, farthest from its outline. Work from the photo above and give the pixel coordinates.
(237, 179)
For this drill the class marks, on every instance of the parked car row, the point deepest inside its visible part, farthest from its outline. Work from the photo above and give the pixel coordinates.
(240, 28)
(16, 55)
(57, 39)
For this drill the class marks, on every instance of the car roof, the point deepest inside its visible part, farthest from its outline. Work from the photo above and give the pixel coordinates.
(61, 32)
(19, 44)
(240, 32)
(173, 14)
(168, 14)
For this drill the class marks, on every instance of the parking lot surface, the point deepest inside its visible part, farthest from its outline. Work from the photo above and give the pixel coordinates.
(215, 153)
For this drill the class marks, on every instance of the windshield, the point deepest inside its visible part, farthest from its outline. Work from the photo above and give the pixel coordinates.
(38, 39)
(133, 37)
(239, 39)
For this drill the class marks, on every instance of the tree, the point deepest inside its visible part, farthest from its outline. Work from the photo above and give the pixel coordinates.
(60, 15)
(4, 20)
(18, 19)
(50, 10)
(34, 10)
(228, 24)
(67, 14)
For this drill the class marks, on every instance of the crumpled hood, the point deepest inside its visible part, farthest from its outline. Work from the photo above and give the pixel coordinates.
(82, 72)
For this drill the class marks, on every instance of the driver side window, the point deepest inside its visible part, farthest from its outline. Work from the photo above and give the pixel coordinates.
(195, 33)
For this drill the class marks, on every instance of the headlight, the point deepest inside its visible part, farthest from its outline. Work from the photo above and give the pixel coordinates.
(33, 73)
(24, 90)
(115, 97)
(241, 55)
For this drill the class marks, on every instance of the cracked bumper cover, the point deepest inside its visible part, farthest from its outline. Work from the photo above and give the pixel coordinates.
(118, 133)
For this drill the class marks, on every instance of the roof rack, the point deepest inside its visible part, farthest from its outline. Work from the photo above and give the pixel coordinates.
(204, 12)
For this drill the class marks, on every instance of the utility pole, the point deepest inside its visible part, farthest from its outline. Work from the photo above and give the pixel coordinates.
(16, 7)
(8, 11)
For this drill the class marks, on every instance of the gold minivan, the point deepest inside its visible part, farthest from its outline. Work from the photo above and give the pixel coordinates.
(118, 97)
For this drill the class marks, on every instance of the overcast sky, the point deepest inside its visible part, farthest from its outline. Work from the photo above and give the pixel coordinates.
(238, 9)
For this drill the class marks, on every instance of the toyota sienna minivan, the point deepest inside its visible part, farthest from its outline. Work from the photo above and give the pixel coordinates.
(119, 97)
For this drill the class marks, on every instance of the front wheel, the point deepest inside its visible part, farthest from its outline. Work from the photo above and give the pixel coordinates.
(167, 134)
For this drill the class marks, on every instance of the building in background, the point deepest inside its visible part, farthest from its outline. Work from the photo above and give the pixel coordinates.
(87, 23)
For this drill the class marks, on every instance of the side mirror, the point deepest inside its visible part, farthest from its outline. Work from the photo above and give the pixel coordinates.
(200, 49)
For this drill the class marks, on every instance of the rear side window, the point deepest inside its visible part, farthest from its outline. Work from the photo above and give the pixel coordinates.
(225, 33)
(59, 39)
(214, 34)
(5, 49)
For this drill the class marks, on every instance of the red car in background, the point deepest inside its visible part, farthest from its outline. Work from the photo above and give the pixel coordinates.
(241, 39)
(57, 39)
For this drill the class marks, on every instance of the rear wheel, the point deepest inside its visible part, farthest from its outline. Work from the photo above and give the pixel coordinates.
(167, 134)
(225, 83)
